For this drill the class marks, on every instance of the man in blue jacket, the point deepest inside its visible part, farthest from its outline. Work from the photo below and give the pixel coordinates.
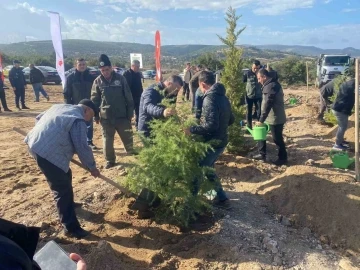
(150, 107)
(18, 83)
(217, 117)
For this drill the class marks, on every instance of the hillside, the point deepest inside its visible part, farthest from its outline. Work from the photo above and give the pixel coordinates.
(310, 50)
(73, 48)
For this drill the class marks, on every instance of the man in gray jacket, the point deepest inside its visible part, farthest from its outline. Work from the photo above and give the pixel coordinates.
(59, 133)
(273, 112)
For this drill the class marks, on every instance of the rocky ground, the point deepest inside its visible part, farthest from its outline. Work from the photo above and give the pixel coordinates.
(301, 216)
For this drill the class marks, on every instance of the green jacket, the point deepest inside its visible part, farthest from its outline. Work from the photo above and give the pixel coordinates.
(114, 98)
(253, 87)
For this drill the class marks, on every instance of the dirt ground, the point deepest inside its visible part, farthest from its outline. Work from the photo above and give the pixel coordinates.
(293, 217)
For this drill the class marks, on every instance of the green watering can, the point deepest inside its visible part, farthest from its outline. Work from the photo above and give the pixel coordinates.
(341, 159)
(259, 133)
(293, 101)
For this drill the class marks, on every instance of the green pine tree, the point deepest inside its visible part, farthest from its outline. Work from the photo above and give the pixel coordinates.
(168, 165)
(232, 79)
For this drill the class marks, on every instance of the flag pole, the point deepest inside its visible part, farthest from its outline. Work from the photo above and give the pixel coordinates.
(357, 167)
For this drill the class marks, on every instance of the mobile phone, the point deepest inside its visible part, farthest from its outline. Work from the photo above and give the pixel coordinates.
(53, 257)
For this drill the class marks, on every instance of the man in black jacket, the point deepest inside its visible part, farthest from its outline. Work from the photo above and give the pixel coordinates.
(217, 117)
(273, 112)
(78, 87)
(253, 93)
(18, 83)
(150, 107)
(36, 79)
(133, 78)
(342, 109)
(326, 92)
(2, 95)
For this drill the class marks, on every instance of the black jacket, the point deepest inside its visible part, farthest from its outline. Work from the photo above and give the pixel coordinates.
(36, 76)
(272, 107)
(217, 115)
(327, 90)
(17, 78)
(134, 81)
(78, 86)
(274, 75)
(150, 107)
(1, 84)
(345, 99)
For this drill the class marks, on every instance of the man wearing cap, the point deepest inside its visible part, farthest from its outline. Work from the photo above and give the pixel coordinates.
(78, 86)
(18, 83)
(59, 133)
(133, 78)
(111, 93)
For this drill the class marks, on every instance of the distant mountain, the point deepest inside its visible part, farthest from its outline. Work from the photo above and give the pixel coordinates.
(172, 54)
(309, 50)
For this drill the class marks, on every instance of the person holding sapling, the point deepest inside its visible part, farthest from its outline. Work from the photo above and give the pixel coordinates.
(217, 117)
(150, 107)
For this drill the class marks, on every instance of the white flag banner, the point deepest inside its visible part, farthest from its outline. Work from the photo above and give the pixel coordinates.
(55, 29)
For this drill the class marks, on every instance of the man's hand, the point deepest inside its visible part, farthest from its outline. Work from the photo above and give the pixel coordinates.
(259, 124)
(80, 263)
(169, 112)
(187, 132)
(95, 173)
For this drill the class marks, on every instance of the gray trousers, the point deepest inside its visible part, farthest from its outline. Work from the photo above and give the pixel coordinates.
(123, 127)
(343, 120)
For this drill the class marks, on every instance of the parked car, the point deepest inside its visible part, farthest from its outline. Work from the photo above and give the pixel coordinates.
(7, 69)
(51, 75)
(149, 74)
(94, 71)
(119, 70)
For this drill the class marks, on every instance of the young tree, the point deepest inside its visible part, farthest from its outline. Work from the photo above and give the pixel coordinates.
(232, 78)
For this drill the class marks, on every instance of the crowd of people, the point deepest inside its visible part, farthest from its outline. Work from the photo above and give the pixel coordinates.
(112, 100)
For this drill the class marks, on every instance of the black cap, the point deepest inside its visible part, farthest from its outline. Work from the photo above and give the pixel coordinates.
(16, 62)
(90, 104)
(104, 61)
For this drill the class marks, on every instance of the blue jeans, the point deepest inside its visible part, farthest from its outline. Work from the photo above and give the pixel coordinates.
(90, 130)
(198, 103)
(38, 88)
(343, 120)
(209, 161)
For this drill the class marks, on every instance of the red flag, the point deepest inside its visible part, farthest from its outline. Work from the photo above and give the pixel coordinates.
(1, 68)
(157, 56)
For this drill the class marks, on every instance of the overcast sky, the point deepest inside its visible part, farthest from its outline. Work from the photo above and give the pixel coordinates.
(321, 23)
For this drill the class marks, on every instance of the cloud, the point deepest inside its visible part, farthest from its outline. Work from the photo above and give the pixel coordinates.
(26, 5)
(346, 10)
(115, 8)
(327, 1)
(274, 7)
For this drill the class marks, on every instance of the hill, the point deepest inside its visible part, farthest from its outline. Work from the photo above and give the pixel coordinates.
(310, 50)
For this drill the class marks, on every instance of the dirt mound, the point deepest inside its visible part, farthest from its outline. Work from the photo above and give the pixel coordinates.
(323, 200)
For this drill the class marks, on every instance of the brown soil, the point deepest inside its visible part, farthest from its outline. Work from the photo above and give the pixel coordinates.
(293, 217)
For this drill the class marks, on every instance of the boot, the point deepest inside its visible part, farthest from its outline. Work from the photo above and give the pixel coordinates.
(24, 107)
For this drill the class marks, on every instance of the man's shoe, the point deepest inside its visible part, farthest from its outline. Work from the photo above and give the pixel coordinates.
(77, 205)
(7, 110)
(18, 109)
(345, 143)
(280, 162)
(109, 165)
(24, 107)
(92, 146)
(78, 233)
(341, 147)
(47, 98)
(259, 157)
(225, 204)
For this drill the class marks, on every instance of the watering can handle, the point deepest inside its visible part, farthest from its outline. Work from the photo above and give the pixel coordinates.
(267, 127)
(250, 130)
